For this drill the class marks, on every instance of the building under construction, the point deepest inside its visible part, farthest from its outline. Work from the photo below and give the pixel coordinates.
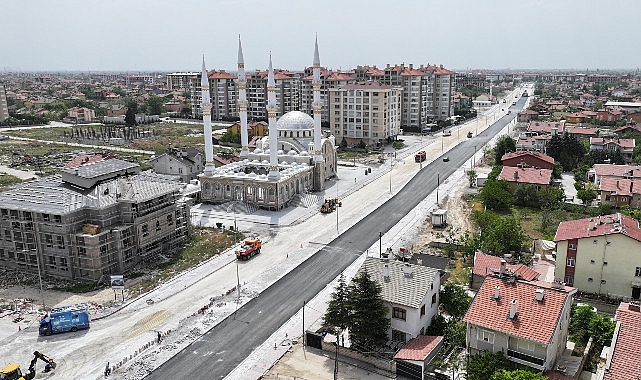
(91, 221)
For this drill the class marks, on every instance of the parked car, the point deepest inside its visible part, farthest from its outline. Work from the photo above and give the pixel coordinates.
(447, 133)
(446, 159)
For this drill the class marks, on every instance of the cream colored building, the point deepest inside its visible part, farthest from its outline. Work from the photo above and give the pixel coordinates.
(4, 110)
(366, 112)
(600, 255)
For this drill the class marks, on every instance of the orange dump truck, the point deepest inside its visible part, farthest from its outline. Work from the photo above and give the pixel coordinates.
(249, 248)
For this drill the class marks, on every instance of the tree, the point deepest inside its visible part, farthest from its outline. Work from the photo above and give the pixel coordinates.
(496, 195)
(504, 236)
(505, 144)
(483, 366)
(601, 328)
(455, 333)
(397, 145)
(454, 300)
(155, 105)
(368, 323)
(471, 177)
(580, 317)
(130, 115)
(519, 374)
(587, 194)
(437, 326)
(526, 195)
(338, 311)
(567, 150)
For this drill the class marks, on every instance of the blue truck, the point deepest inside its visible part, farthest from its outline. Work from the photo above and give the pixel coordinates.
(65, 318)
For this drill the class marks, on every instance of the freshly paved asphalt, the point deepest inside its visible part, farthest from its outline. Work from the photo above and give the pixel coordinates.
(225, 346)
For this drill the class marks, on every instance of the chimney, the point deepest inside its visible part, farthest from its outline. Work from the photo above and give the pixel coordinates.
(407, 270)
(411, 66)
(617, 183)
(539, 295)
(592, 224)
(503, 267)
(386, 273)
(497, 293)
(634, 306)
(516, 174)
(513, 314)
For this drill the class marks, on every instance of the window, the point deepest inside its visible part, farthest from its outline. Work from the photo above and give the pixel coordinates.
(591, 261)
(157, 225)
(145, 230)
(60, 241)
(423, 310)
(399, 336)
(605, 263)
(637, 272)
(399, 313)
(571, 261)
(603, 281)
(572, 247)
(170, 220)
(525, 345)
(595, 241)
(433, 298)
(569, 279)
(57, 218)
(486, 336)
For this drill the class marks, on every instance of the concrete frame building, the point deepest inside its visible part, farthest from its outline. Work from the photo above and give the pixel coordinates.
(93, 220)
(600, 255)
(366, 112)
(4, 109)
(293, 159)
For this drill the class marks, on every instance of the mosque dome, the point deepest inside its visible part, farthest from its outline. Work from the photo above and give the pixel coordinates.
(295, 120)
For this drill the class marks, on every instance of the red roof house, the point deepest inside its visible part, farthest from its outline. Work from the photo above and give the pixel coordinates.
(516, 176)
(623, 361)
(528, 158)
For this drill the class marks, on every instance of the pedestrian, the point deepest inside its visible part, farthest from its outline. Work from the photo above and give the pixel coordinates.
(107, 370)
(159, 337)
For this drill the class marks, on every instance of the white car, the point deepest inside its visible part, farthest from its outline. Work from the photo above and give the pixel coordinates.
(447, 133)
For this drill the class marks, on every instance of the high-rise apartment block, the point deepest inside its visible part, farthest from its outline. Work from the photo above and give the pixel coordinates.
(4, 109)
(367, 113)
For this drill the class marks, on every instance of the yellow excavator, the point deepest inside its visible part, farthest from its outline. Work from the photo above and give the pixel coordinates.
(12, 371)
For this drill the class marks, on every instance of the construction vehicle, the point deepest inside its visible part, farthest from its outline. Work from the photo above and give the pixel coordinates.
(330, 205)
(12, 371)
(65, 318)
(420, 156)
(249, 248)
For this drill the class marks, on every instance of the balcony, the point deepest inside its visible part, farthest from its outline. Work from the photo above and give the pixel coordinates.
(525, 357)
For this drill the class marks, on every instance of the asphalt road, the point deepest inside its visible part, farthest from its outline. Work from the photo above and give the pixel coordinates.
(225, 346)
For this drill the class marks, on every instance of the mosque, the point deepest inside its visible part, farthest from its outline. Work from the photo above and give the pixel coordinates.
(295, 158)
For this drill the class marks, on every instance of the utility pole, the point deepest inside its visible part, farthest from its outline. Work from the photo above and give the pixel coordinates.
(380, 245)
(438, 183)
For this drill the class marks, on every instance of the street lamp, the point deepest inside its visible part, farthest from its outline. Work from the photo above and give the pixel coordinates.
(391, 162)
(39, 275)
(337, 231)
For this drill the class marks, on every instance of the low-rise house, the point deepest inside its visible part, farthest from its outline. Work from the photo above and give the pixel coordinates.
(527, 321)
(523, 158)
(620, 192)
(527, 115)
(582, 133)
(609, 115)
(541, 178)
(600, 171)
(81, 114)
(489, 265)
(413, 359)
(546, 127)
(624, 146)
(411, 291)
(600, 255)
(575, 118)
(623, 359)
(185, 163)
(254, 128)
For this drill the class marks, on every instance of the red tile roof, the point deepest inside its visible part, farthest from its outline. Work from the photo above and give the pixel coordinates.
(625, 363)
(418, 348)
(537, 320)
(366, 86)
(624, 143)
(583, 131)
(578, 229)
(220, 75)
(485, 264)
(620, 186)
(611, 170)
(522, 153)
(526, 175)
(545, 126)
(83, 159)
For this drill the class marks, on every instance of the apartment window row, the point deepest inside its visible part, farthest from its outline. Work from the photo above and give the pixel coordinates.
(399, 313)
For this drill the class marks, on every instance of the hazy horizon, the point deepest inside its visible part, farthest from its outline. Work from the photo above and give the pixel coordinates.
(166, 36)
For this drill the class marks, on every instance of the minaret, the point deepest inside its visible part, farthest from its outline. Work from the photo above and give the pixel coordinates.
(271, 114)
(317, 105)
(206, 108)
(242, 101)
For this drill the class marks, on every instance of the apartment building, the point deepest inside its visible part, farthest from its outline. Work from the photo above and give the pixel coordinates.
(81, 114)
(329, 79)
(4, 109)
(95, 219)
(223, 94)
(600, 255)
(365, 113)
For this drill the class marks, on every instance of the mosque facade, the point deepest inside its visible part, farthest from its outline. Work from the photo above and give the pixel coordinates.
(294, 158)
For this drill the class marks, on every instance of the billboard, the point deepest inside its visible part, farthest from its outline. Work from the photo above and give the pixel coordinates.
(118, 282)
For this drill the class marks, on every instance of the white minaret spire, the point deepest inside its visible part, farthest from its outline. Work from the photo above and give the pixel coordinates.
(206, 108)
(317, 105)
(271, 113)
(242, 101)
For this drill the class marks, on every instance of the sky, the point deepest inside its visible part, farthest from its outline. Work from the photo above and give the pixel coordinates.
(164, 35)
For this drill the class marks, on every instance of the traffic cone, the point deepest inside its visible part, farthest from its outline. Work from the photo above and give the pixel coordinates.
(274, 346)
